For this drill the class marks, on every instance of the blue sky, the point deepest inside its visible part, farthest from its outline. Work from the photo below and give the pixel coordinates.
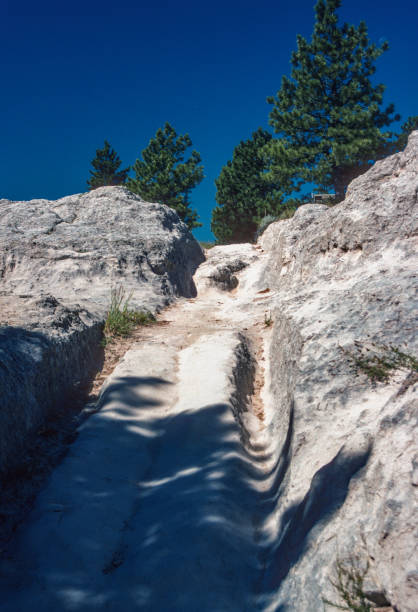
(76, 73)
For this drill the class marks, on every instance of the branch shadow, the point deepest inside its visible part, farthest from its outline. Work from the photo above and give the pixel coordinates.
(146, 512)
(327, 493)
(159, 512)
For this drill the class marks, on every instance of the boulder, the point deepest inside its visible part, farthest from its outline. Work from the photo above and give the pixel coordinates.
(80, 246)
(345, 283)
(59, 261)
(222, 265)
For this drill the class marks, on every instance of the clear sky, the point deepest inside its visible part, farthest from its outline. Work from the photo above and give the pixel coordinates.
(75, 73)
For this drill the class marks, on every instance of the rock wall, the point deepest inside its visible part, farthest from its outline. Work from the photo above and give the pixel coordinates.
(43, 366)
(59, 261)
(345, 277)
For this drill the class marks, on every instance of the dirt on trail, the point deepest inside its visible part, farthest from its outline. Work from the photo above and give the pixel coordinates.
(158, 503)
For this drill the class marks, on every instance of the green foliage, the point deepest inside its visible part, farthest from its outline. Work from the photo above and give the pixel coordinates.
(207, 244)
(164, 175)
(243, 194)
(286, 211)
(400, 143)
(106, 168)
(122, 320)
(268, 321)
(349, 586)
(290, 206)
(379, 361)
(263, 225)
(328, 113)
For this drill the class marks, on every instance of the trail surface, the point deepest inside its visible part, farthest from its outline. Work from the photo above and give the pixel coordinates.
(156, 506)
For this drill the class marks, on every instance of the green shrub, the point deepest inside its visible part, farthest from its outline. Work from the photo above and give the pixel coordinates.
(263, 225)
(268, 321)
(207, 245)
(287, 212)
(122, 320)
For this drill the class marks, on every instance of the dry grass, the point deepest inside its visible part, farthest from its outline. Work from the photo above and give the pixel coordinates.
(121, 320)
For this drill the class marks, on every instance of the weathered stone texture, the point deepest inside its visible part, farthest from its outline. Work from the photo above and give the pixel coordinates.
(343, 275)
(222, 265)
(80, 246)
(59, 261)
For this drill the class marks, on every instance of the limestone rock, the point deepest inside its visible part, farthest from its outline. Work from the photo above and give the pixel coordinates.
(80, 246)
(345, 275)
(59, 261)
(43, 364)
(222, 264)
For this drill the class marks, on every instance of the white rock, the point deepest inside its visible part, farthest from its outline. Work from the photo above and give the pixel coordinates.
(59, 261)
(348, 489)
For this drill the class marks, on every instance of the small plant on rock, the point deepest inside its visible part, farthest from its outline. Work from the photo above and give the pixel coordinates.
(268, 321)
(207, 244)
(379, 361)
(122, 320)
(263, 225)
(348, 583)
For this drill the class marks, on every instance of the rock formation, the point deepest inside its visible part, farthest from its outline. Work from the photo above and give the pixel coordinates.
(240, 455)
(345, 280)
(59, 261)
(84, 244)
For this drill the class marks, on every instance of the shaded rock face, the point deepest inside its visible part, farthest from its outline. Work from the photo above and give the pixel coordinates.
(58, 263)
(42, 367)
(347, 447)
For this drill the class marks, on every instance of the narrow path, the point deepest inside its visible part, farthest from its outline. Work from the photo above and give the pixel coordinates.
(156, 507)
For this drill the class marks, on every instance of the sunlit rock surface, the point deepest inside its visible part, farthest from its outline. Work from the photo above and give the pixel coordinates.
(80, 246)
(347, 447)
(236, 456)
(59, 261)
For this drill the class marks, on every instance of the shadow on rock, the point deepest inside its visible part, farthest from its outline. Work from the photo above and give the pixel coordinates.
(327, 493)
(146, 513)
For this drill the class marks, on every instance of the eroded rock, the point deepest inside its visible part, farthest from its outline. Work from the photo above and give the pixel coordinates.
(345, 275)
(59, 261)
(222, 265)
(80, 246)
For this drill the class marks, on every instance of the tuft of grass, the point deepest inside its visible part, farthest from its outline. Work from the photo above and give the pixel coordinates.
(122, 320)
(379, 361)
(268, 321)
(348, 583)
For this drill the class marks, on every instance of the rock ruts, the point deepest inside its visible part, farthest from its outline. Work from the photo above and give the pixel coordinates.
(342, 276)
(329, 475)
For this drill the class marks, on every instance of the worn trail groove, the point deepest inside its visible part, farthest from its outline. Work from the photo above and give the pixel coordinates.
(160, 503)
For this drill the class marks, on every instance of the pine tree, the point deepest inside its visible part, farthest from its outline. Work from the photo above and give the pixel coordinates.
(243, 195)
(163, 175)
(399, 141)
(106, 168)
(328, 114)
(409, 126)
